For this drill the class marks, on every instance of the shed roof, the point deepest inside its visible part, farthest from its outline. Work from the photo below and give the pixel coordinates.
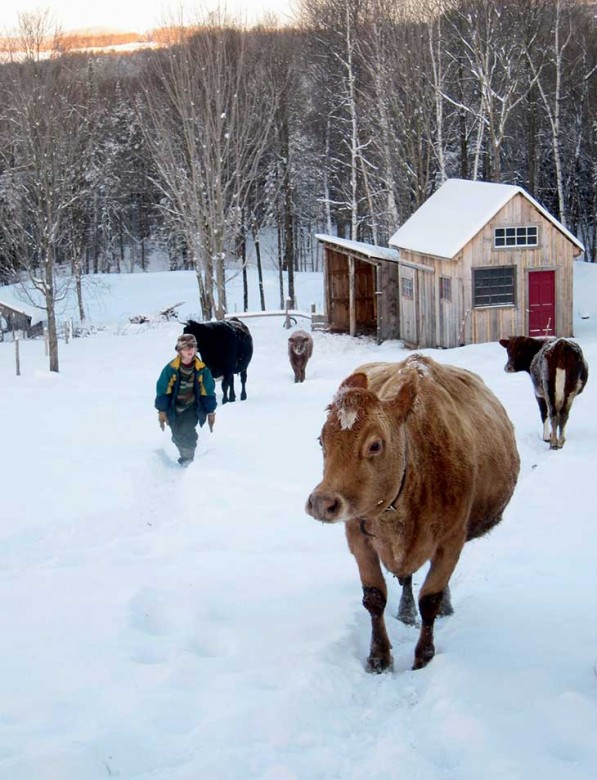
(368, 250)
(456, 212)
(27, 311)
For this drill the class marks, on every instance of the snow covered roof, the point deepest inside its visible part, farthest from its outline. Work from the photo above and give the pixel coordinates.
(369, 250)
(456, 212)
(28, 311)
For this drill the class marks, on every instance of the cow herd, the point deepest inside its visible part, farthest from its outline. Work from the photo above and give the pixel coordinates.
(419, 458)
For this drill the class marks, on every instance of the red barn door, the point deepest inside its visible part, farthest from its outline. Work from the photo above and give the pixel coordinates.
(542, 303)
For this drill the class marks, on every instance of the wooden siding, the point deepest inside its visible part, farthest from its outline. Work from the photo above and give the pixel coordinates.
(418, 315)
(388, 301)
(338, 293)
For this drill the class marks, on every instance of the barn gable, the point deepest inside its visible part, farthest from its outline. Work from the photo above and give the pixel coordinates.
(455, 214)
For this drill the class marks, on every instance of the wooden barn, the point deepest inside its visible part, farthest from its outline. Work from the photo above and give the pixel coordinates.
(476, 262)
(13, 320)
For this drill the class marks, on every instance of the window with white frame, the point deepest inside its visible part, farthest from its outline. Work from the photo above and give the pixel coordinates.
(525, 235)
(494, 286)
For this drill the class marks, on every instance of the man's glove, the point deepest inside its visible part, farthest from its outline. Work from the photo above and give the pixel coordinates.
(163, 419)
(211, 418)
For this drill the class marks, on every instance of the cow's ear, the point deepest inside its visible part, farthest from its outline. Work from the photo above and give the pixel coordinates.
(355, 381)
(403, 402)
(504, 343)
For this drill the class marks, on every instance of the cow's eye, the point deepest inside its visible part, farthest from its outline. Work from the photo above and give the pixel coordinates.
(375, 447)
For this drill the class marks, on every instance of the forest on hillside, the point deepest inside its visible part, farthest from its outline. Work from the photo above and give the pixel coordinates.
(345, 122)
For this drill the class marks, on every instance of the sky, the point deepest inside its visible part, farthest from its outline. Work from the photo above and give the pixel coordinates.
(158, 623)
(130, 15)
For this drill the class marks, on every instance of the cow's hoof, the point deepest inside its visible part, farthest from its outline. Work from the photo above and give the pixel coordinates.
(423, 656)
(379, 665)
(408, 617)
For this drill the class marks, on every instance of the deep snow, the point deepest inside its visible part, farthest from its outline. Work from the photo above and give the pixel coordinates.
(168, 624)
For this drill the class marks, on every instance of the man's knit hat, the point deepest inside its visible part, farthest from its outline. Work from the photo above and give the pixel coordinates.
(185, 341)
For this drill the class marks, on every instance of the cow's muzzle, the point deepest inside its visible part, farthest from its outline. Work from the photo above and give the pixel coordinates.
(324, 506)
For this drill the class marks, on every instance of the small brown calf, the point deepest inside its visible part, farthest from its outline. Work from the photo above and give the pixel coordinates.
(418, 458)
(559, 373)
(300, 349)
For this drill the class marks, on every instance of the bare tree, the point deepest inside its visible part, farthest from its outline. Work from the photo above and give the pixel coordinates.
(40, 158)
(557, 76)
(493, 52)
(207, 127)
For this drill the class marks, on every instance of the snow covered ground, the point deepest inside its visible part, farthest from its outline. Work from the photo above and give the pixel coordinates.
(168, 624)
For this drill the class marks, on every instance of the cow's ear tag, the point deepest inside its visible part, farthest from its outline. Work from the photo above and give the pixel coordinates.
(355, 381)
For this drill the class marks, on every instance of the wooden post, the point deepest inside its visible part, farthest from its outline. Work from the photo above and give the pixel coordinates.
(46, 342)
(66, 331)
(17, 357)
(287, 309)
(352, 315)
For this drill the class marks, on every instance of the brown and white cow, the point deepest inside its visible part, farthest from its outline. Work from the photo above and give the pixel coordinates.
(419, 458)
(559, 372)
(300, 349)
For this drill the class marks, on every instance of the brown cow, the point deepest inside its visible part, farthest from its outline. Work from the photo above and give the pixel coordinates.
(559, 373)
(300, 349)
(419, 458)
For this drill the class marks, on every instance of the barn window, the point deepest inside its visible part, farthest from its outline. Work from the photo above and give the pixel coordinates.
(407, 288)
(494, 286)
(445, 288)
(515, 236)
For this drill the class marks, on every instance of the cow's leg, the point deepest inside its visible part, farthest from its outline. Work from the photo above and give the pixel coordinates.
(563, 420)
(224, 389)
(243, 382)
(407, 612)
(554, 418)
(374, 597)
(228, 388)
(544, 418)
(445, 605)
(431, 596)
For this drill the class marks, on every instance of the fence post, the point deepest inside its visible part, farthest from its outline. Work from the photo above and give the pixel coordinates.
(66, 331)
(46, 344)
(287, 309)
(17, 356)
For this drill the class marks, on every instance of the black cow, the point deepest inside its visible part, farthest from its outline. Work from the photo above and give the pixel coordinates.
(559, 372)
(226, 348)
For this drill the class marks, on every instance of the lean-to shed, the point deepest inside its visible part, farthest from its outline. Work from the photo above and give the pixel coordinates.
(361, 288)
